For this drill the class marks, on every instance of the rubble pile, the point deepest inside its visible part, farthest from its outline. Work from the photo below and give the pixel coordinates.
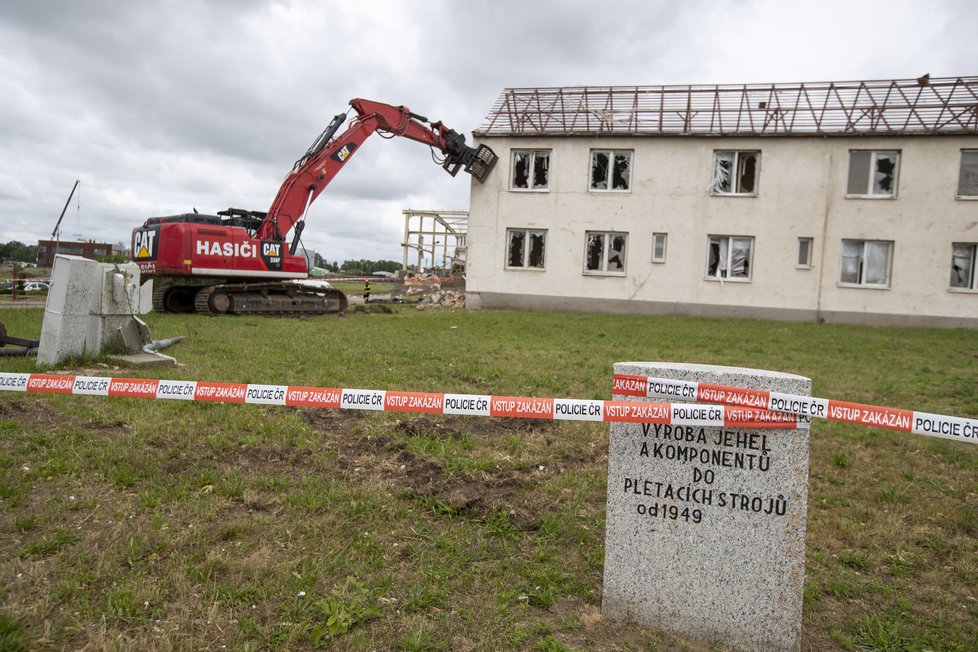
(444, 299)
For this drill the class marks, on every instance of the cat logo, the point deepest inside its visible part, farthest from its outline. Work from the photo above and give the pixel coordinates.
(144, 243)
(344, 152)
(271, 253)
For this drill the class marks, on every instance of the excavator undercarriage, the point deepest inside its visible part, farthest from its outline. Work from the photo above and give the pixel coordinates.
(285, 299)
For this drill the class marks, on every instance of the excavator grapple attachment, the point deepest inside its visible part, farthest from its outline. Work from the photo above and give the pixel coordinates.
(482, 163)
(476, 161)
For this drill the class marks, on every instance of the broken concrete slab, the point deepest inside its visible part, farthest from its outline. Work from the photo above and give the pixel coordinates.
(142, 360)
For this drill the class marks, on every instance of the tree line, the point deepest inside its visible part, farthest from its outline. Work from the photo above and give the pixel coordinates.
(24, 253)
(18, 251)
(362, 266)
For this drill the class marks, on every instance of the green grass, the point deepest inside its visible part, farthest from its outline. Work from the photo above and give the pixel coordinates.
(168, 525)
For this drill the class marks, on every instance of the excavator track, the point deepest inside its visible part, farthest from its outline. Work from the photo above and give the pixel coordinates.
(175, 298)
(275, 299)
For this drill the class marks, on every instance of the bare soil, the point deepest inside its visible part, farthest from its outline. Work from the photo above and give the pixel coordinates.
(386, 461)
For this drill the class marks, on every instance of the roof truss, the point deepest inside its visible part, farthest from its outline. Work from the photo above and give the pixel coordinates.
(888, 107)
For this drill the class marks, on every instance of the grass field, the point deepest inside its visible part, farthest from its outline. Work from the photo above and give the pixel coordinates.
(158, 525)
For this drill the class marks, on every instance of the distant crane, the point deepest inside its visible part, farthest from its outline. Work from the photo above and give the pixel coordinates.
(54, 234)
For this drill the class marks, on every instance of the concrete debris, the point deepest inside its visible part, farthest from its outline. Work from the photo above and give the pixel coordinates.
(444, 299)
(414, 284)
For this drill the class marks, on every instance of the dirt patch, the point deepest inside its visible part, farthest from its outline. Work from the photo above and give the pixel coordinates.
(478, 495)
(37, 414)
(30, 413)
(372, 309)
(458, 426)
(329, 422)
(482, 494)
(262, 460)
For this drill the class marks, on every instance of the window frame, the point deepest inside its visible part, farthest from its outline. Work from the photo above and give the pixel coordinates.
(533, 152)
(972, 285)
(606, 249)
(748, 278)
(525, 267)
(808, 264)
(861, 283)
(656, 237)
(735, 166)
(961, 168)
(612, 154)
(870, 174)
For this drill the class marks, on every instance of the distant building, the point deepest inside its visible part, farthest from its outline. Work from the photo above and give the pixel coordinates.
(435, 239)
(310, 255)
(842, 201)
(46, 250)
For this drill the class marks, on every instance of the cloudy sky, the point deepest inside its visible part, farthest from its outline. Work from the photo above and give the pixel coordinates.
(160, 107)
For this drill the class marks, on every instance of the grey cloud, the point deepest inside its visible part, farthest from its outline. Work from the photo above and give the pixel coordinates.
(162, 106)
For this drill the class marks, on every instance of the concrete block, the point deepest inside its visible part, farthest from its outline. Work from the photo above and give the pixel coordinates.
(90, 308)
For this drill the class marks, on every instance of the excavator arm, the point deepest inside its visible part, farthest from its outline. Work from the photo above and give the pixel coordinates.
(330, 152)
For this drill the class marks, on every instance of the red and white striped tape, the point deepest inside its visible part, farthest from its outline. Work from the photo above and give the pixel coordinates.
(919, 423)
(398, 401)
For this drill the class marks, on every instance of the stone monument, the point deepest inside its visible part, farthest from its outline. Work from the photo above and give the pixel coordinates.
(705, 534)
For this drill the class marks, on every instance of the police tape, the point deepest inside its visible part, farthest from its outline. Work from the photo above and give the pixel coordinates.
(918, 423)
(477, 405)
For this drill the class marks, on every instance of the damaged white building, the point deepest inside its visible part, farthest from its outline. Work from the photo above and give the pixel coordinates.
(843, 201)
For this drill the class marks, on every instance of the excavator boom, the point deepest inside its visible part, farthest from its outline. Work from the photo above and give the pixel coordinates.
(330, 152)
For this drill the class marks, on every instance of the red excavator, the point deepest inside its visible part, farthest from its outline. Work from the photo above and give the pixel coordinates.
(240, 261)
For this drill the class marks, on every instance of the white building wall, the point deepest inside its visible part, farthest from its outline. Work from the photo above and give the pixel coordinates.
(801, 192)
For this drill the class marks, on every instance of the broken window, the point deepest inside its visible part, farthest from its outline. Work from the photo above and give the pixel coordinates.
(535, 256)
(805, 246)
(963, 266)
(729, 257)
(734, 173)
(516, 248)
(526, 248)
(872, 174)
(604, 252)
(866, 262)
(659, 247)
(968, 179)
(531, 169)
(611, 169)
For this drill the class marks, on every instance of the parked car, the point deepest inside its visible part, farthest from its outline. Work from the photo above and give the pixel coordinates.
(36, 286)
